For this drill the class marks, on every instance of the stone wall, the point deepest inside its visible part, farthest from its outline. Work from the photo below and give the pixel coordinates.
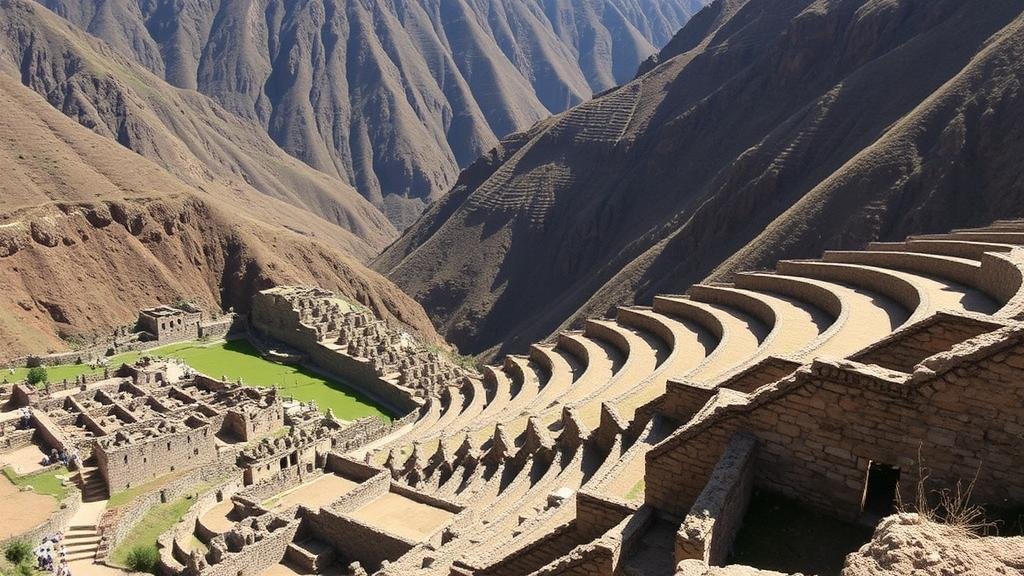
(140, 461)
(601, 557)
(259, 554)
(903, 350)
(557, 542)
(11, 439)
(356, 541)
(960, 414)
(115, 523)
(708, 531)
(362, 376)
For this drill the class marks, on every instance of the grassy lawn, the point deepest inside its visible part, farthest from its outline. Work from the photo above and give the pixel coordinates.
(238, 359)
(62, 372)
(126, 496)
(41, 482)
(158, 520)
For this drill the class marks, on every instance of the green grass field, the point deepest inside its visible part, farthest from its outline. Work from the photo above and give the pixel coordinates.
(158, 520)
(238, 359)
(41, 482)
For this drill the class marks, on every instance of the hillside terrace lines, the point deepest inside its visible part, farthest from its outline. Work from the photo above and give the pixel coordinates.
(740, 335)
(638, 440)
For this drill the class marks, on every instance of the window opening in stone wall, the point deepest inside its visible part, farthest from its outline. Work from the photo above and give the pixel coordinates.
(880, 490)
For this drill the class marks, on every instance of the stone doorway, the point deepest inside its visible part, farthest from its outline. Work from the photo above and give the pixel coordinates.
(879, 491)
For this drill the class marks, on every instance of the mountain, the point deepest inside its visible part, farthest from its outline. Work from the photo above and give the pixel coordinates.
(766, 129)
(392, 96)
(183, 131)
(90, 232)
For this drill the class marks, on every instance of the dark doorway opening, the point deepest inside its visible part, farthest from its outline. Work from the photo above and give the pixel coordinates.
(880, 491)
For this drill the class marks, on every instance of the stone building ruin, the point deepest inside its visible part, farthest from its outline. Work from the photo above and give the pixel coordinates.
(633, 445)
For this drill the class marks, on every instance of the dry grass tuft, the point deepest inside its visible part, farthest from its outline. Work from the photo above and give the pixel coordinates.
(948, 506)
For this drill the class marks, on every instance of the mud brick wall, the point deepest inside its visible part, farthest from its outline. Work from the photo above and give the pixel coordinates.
(819, 430)
(708, 531)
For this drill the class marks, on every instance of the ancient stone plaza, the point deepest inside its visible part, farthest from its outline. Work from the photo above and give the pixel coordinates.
(633, 446)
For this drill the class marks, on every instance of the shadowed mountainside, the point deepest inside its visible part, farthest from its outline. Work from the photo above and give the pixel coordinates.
(770, 129)
(391, 97)
(90, 232)
(183, 131)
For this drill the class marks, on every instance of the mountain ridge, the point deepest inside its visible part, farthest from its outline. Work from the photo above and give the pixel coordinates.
(390, 98)
(650, 187)
(90, 232)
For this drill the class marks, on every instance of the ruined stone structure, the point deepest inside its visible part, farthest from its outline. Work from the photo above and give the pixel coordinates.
(133, 457)
(170, 323)
(631, 446)
(635, 444)
(349, 341)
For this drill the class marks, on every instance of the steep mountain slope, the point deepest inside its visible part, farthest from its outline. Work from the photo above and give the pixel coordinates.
(90, 232)
(772, 129)
(391, 97)
(183, 131)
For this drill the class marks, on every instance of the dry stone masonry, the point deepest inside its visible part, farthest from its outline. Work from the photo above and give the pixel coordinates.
(630, 446)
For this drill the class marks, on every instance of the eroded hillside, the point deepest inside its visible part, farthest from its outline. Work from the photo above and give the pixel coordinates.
(183, 131)
(90, 232)
(390, 97)
(771, 129)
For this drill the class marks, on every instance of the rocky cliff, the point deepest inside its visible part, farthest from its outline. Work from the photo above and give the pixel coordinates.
(390, 97)
(766, 129)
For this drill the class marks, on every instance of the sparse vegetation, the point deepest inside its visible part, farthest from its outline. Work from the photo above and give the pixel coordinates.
(138, 550)
(143, 558)
(636, 491)
(36, 376)
(18, 551)
(48, 482)
(947, 505)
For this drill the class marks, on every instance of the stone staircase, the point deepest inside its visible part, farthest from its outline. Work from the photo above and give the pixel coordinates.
(82, 542)
(92, 484)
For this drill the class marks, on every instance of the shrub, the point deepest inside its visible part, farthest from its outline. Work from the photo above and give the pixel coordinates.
(37, 375)
(18, 551)
(143, 558)
(20, 569)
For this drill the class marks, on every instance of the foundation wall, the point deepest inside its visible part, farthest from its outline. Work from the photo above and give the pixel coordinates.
(819, 430)
(135, 464)
(708, 531)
